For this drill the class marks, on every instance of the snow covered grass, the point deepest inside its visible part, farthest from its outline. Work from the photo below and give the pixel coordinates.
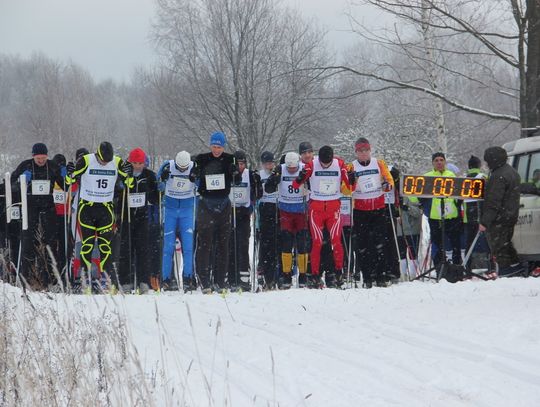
(414, 344)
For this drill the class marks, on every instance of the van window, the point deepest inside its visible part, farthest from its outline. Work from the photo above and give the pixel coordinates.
(534, 168)
(522, 164)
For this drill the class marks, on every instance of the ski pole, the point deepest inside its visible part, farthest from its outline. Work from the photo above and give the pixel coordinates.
(349, 259)
(234, 238)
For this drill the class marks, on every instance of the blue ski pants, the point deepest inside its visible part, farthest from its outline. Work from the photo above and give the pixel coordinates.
(178, 222)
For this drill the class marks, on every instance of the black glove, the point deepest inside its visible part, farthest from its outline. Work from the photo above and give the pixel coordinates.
(70, 167)
(165, 174)
(352, 177)
(301, 177)
(234, 170)
(127, 168)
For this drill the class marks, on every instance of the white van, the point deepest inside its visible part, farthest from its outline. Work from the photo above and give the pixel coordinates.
(524, 156)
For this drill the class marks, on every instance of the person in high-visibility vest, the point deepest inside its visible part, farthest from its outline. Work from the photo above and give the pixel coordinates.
(444, 210)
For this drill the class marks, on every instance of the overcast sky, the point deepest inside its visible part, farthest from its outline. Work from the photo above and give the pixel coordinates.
(110, 37)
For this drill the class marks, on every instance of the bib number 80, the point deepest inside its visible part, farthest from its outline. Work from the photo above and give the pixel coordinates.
(293, 190)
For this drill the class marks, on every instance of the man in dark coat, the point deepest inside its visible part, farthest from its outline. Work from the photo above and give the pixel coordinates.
(501, 209)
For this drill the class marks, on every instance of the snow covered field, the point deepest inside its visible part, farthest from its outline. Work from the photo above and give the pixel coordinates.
(413, 344)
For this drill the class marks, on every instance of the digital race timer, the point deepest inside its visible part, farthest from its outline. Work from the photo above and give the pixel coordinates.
(442, 187)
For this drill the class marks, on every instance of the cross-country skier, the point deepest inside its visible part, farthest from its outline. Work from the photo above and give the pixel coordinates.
(268, 225)
(325, 174)
(244, 192)
(97, 174)
(41, 175)
(214, 172)
(179, 203)
(370, 179)
(292, 217)
(143, 192)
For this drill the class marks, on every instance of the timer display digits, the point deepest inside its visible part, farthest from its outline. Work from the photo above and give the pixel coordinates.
(442, 187)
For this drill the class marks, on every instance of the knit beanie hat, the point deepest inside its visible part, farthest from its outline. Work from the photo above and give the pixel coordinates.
(218, 139)
(39, 149)
(137, 155)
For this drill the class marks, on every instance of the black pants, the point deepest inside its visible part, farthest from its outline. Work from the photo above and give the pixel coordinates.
(268, 248)
(327, 254)
(500, 242)
(238, 271)
(60, 243)
(213, 233)
(36, 265)
(96, 221)
(452, 230)
(139, 257)
(390, 250)
(346, 236)
(369, 236)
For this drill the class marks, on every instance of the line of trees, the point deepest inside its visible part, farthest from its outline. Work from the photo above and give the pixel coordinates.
(447, 75)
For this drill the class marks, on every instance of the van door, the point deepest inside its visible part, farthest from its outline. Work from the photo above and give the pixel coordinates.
(527, 231)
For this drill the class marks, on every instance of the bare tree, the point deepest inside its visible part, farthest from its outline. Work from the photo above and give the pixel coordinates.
(476, 43)
(240, 66)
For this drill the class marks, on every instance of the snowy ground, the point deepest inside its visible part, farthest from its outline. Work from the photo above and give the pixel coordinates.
(413, 344)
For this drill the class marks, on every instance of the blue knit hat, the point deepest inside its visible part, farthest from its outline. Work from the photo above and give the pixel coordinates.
(39, 149)
(218, 139)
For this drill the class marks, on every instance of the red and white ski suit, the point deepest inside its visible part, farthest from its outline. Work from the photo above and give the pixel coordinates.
(324, 208)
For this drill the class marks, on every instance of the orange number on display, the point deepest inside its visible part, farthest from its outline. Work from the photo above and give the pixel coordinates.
(419, 187)
(408, 185)
(477, 187)
(438, 185)
(466, 188)
(448, 186)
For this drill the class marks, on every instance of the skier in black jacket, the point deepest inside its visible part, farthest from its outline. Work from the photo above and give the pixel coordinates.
(41, 175)
(501, 210)
(244, 193)
(214, 172)
(143, 192)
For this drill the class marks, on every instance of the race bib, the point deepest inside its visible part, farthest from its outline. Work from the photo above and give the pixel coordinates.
(240, 195)
(137, 200)
(345, 206)
(15, 212)
(59, 197)
(327, 187)
(215, 182)
(180, 184)
(41, 187)
(367, 185)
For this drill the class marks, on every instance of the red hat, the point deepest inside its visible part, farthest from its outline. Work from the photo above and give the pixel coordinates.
(137, 155)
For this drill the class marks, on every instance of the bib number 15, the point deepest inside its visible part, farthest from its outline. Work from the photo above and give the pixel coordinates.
(102, 183)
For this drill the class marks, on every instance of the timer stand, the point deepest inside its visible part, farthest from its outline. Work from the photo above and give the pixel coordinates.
(440, 270)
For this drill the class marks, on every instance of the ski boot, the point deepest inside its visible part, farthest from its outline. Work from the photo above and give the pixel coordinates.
(314, 281)
(189, 284)
(330, 279)
(302, 280)
(286, 281)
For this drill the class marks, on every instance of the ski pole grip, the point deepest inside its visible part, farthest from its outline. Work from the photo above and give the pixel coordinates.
(24, 202)
(9, 199)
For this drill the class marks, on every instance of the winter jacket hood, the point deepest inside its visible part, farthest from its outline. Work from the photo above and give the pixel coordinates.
(495, 157)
